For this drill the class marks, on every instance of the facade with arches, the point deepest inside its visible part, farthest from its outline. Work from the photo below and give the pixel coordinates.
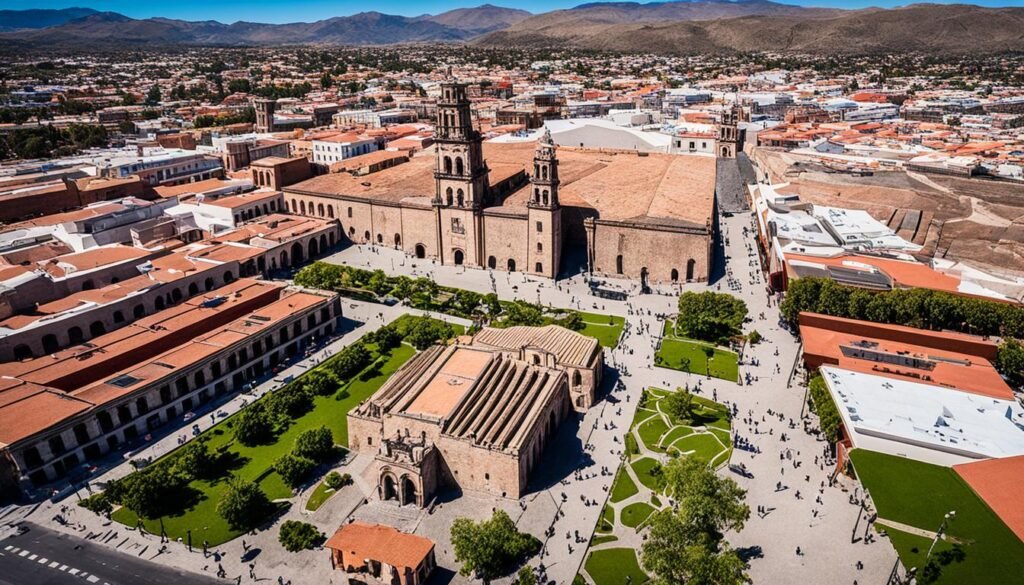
(525, 205)
(85, 402)
(478, 417)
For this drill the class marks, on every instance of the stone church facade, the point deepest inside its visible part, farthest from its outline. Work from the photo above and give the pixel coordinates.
(476, 415)
(520, 207)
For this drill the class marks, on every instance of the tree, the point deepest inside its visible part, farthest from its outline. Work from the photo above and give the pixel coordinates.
(316, 444)
(349, 361)
(679, 405)
(195, 461)
(710, 316)
(526, 576)
(253, 425)
(335, 480)
(326, 81)
(148, 492)
(320, 382)
(1010, 361)
(424, 332)
(239, 86)
(387, 338)
(153, 95)
(685, 544)
(674, 553)
(293, 469)
(243, 504)
(490, 548)
(295, 536)
(829, 419)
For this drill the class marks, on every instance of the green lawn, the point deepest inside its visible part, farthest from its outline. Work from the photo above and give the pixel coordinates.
(612, 566)
(254, 463)
(687, 355)
(607, 520)
(644, 469)
(605, 328)
(703, 445)
(602, 539)
(623, 487)
(634, 515)
(920, 494)
(319, 496)
(651, 431)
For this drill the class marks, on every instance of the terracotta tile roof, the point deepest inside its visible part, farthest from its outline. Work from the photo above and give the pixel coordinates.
(359, 541)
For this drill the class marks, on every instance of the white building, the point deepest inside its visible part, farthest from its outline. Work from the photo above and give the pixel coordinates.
(340, 147)
(924, 422)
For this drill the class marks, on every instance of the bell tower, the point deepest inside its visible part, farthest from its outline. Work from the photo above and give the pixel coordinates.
(545, 213)
(461, 176)
(730, 139)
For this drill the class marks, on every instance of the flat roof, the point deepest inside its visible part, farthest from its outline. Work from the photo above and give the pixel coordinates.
(450, 383)
(959, 426)
(75, 366)
(895, 359)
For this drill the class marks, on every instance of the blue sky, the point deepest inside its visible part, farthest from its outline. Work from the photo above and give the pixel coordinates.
(308, 10)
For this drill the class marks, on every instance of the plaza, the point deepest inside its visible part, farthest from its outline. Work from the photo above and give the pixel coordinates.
(568, 491)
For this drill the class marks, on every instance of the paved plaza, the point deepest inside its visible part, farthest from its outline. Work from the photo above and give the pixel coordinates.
(786, 464)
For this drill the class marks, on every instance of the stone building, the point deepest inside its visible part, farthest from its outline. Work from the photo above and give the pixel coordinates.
(78, 404)
(524, 207)
(478, 415)
(730, 139)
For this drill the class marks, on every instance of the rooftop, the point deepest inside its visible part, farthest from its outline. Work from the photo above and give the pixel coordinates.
(931, 423)
(377, 542)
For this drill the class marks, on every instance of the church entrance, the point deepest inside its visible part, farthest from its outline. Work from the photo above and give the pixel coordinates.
(390, 489)
(459, 257)
(421, 252)
(511, 265)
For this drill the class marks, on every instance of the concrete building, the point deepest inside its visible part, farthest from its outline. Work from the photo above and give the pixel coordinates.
(517, 206)
(340, 147)
(478, 415)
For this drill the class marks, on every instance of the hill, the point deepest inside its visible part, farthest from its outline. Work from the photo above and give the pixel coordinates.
(40, 17)
(948, 29)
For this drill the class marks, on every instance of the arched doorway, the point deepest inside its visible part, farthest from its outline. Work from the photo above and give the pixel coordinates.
(492, 262)
(618, 264)
(691, 264)
(408, 491)
(421, 251)
(675, 275)
(398, 241)
(511, 265)
(459, 257)
(643, 277)
(389, 490)
(296, 254)
(314, 248)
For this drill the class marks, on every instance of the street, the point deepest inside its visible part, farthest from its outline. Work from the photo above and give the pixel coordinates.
(40, 556)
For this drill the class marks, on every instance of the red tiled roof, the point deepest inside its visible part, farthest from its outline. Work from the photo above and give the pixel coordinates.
(381, 543)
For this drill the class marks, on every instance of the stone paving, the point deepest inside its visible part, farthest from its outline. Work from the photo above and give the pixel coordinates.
(571, 485)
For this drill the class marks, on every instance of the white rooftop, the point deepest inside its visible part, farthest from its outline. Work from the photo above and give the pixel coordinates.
(939, 425)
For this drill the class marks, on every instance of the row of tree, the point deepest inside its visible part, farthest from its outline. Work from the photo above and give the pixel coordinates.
(424, 293)
(49, 141)
(915, 307)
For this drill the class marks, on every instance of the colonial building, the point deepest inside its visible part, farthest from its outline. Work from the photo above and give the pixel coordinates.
(478, 415)
(390, 556)
(61, 410)
(730, 139)
(523, 207)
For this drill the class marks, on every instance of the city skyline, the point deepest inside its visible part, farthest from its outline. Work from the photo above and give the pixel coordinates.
(263, 11)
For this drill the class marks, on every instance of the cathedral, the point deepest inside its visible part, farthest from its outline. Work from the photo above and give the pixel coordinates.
(528, 207)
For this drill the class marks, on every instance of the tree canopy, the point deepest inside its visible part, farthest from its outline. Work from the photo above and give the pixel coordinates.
(685, 543)
(710, 316)
(491, 548)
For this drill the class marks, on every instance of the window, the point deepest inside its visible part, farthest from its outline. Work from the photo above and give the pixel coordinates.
(538, 267)
(540, 227)
(540, 247)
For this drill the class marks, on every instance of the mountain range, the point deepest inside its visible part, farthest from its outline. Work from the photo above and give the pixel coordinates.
(681, 26)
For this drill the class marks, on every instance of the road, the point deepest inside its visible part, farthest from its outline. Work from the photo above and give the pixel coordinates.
(40, 556)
